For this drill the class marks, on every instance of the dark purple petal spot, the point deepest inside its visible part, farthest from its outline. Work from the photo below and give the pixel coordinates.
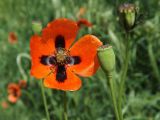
(43, 59)
(61, 75)
(60, 42)
(47, 60)
(77, 59)
(52, 60)
(73, 60)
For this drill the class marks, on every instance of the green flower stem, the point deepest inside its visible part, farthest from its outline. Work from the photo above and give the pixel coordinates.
(44, 100)
(113, 94)
(19, 60)
(30, 97)
(65, 105)
(106, 59)
(123, 76)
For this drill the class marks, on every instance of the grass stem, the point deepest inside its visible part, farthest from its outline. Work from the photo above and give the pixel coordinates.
(153, 61)
(44, 100)
(65, 105)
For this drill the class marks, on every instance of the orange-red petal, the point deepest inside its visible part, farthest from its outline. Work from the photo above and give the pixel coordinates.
(5, 104)
(14, 92)
(13, 88)
(81, 12)
(86, 49)
(22, 83)
(64, 27)
(38, 49)
(12, 37)
(84, 22)
(72, 82)
(12, 98)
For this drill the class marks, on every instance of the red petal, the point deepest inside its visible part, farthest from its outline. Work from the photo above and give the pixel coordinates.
(72, 82)
(12, 98)
(84, 22)
(38, 49)
(86, 49)
(64, 27)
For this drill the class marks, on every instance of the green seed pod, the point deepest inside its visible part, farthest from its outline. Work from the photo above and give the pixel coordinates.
(36, 27)
(106, 58)
(127, 15)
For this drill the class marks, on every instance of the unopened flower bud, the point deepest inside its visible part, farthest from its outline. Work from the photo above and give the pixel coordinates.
(127, 15)
(37, 27)
(106, 58)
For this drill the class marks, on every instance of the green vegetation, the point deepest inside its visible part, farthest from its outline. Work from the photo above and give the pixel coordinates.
(92, 101)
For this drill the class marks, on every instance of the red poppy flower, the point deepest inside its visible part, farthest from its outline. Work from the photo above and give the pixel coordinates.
(4, 105)
(81, 12)
(22, 83)
(57, 61)
(14, 92)
(84, 22)
(12, 38)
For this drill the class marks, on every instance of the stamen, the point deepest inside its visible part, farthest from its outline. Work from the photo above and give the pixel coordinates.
(61, 55)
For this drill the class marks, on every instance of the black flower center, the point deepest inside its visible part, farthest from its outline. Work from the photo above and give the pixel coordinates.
(60, 59)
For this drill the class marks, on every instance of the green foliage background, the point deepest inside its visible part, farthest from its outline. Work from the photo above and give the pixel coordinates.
(92, 101)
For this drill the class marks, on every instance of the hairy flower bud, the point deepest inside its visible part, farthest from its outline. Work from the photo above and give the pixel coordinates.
(36, 27)
(127, 15)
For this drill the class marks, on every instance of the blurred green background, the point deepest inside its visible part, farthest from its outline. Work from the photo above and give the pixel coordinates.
(92, 101)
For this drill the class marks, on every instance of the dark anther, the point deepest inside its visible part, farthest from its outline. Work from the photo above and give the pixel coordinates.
(48, 60)
(43, 59)
(60, 41)
(61, 73)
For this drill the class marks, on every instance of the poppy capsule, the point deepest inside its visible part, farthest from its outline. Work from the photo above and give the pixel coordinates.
(56, 59)
(106, 58)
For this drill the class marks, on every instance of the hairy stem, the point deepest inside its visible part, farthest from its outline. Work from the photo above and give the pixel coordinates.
(44, 101)
(19, 60)
(113, 94)
(124, 75)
